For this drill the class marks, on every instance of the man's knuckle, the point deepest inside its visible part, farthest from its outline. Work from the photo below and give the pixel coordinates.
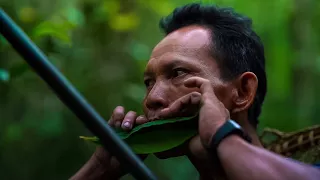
(194, 94)
(206, 81)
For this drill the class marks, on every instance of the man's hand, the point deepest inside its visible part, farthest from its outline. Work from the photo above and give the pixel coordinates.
(102, 165)
(233, 164)
(212, 113)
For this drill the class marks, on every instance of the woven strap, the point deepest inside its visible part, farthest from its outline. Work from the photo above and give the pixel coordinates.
(302, 145)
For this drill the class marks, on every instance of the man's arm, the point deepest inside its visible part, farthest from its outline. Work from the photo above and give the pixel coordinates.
(100, 166)
(239, 159)
(242, 161)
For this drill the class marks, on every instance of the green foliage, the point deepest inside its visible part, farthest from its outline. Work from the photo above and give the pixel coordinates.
(56, 30)
(4, 75)
(157, 136)
(102, 47)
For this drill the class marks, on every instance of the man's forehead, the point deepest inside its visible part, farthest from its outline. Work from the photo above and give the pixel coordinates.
(185, 40)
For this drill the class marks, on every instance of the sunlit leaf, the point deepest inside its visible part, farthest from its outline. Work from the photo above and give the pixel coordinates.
(162, 8)
(157, 136)
(59, 31)
(4, 75)
(111, 7)
(124, 22)
(27, 14)
(74, 16)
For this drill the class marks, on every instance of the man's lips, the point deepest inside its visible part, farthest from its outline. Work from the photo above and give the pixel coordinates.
(153, 116)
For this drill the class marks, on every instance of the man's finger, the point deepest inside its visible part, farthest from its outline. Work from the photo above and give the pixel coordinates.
(117, 117)
(182, 106)
(141, 120)
(129, 120)
(204, 85)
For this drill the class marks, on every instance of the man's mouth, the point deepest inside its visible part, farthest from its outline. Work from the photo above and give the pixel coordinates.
(152, 116)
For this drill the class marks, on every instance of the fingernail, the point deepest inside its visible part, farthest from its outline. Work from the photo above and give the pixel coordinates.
(119, 108)
(127, 125)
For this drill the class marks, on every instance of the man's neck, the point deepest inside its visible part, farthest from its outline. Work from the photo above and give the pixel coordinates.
(252, 132)
(242, 120)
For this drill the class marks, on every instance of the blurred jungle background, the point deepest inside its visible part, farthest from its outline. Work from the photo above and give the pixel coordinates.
(102, 46)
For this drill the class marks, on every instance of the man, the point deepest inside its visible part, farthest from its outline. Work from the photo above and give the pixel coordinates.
(209, 57)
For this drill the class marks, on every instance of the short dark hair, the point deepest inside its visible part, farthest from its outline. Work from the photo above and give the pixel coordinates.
(235, 45)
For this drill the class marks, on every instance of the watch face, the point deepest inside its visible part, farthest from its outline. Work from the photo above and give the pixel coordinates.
(235, 124)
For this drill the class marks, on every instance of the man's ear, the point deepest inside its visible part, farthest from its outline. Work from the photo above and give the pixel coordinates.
(245, 88)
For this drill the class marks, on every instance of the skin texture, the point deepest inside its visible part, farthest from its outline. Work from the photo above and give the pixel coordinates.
(180, 77)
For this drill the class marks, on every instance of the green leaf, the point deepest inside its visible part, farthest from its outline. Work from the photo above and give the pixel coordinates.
(75, 16)
(60, 31)
(157, 136)
(124, 22)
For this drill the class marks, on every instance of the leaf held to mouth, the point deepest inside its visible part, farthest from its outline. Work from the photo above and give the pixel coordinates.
(156, 136)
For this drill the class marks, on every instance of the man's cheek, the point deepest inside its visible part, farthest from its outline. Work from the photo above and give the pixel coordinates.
(186, 91)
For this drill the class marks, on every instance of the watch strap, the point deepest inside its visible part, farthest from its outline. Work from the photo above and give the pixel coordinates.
(230, 127)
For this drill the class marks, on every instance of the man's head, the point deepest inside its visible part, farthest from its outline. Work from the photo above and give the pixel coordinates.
(214, 43)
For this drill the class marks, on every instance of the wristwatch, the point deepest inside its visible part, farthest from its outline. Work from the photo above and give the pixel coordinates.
(230, 127)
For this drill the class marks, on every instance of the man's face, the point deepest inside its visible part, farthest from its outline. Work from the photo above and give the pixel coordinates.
(179, 56)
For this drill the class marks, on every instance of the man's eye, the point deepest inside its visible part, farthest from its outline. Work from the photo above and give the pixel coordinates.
(148, 83)
(179, 72)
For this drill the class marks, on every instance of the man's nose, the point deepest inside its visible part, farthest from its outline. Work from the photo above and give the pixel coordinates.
(156, 98)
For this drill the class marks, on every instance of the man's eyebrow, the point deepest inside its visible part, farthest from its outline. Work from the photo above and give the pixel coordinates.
(147, 73)
(176, 62)
(169, 65)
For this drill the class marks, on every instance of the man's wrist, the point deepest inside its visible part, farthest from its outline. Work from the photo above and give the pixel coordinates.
(207, 140)
(229, 128)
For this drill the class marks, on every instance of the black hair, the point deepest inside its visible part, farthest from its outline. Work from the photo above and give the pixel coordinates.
(235, 46)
